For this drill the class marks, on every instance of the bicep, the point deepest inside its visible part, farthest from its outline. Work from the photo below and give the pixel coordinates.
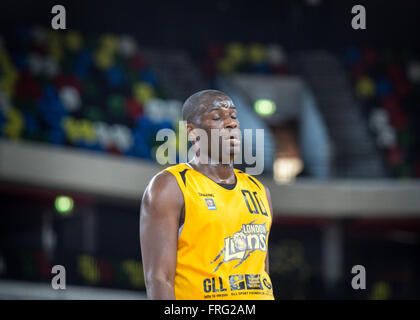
(268, 194)
(159, 217)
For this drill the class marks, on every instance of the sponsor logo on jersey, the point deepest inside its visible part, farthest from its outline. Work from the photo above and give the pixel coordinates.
(267, 284)
(206, 194)
(210, 204)
(236, 283)
(241, 244)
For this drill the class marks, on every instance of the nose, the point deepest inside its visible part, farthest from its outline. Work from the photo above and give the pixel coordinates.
(231, 124)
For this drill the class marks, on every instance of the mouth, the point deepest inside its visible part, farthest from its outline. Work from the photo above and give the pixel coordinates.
(234, 141)
(231, 138)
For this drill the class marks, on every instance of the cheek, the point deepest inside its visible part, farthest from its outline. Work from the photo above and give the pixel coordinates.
(215, 124)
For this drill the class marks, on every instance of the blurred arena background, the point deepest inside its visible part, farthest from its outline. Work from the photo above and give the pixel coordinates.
(80, 108)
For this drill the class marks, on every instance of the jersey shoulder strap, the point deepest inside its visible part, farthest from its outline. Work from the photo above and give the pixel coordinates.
(245, 176)
(179, 171)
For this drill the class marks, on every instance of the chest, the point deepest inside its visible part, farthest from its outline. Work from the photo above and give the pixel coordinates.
(212, 204)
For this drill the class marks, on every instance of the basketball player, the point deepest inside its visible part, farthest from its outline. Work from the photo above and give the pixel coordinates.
(204, 226)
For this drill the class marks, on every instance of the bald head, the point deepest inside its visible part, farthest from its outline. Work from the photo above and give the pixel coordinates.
(199, 103)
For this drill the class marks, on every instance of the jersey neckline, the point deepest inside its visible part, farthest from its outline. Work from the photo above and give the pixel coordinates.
(218, 184)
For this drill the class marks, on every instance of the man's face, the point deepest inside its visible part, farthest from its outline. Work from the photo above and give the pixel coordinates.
(220, 116)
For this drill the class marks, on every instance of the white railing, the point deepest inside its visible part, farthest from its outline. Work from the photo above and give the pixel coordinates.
(63, 168)
(19, 290)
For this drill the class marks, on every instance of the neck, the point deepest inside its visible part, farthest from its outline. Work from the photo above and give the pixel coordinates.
(218, 172)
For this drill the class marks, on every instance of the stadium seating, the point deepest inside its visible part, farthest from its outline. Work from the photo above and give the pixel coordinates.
(387, 84)
(102, 93)
(239, 57)
(95, 93)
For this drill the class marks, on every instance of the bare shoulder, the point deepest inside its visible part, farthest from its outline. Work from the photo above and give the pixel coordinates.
(163, 179)
(268, 194)
(267, 191)
(163, 190)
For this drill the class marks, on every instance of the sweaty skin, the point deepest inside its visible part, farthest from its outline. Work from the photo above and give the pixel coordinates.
(162, 206)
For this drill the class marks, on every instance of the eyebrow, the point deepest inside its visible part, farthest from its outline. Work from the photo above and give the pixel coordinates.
(219, 108)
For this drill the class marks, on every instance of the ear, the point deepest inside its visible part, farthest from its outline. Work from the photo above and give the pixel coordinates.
(190, 133)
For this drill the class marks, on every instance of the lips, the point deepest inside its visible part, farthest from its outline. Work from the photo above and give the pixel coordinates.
(233, 137)
(234, 141)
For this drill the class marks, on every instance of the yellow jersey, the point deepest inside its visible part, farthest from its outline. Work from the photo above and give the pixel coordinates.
(223, 242)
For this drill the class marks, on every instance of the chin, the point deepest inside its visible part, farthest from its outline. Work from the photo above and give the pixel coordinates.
(231, 155)
(235, 150)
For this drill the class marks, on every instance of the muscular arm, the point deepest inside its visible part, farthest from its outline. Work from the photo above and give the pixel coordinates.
(160, 212)
(267, 192)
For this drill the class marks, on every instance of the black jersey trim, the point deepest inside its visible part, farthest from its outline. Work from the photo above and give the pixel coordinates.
(254, 182)
(182, 173)
(229, 186)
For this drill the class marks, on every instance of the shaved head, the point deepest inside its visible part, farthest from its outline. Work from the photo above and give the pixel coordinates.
(212, 124)
(200, 102)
